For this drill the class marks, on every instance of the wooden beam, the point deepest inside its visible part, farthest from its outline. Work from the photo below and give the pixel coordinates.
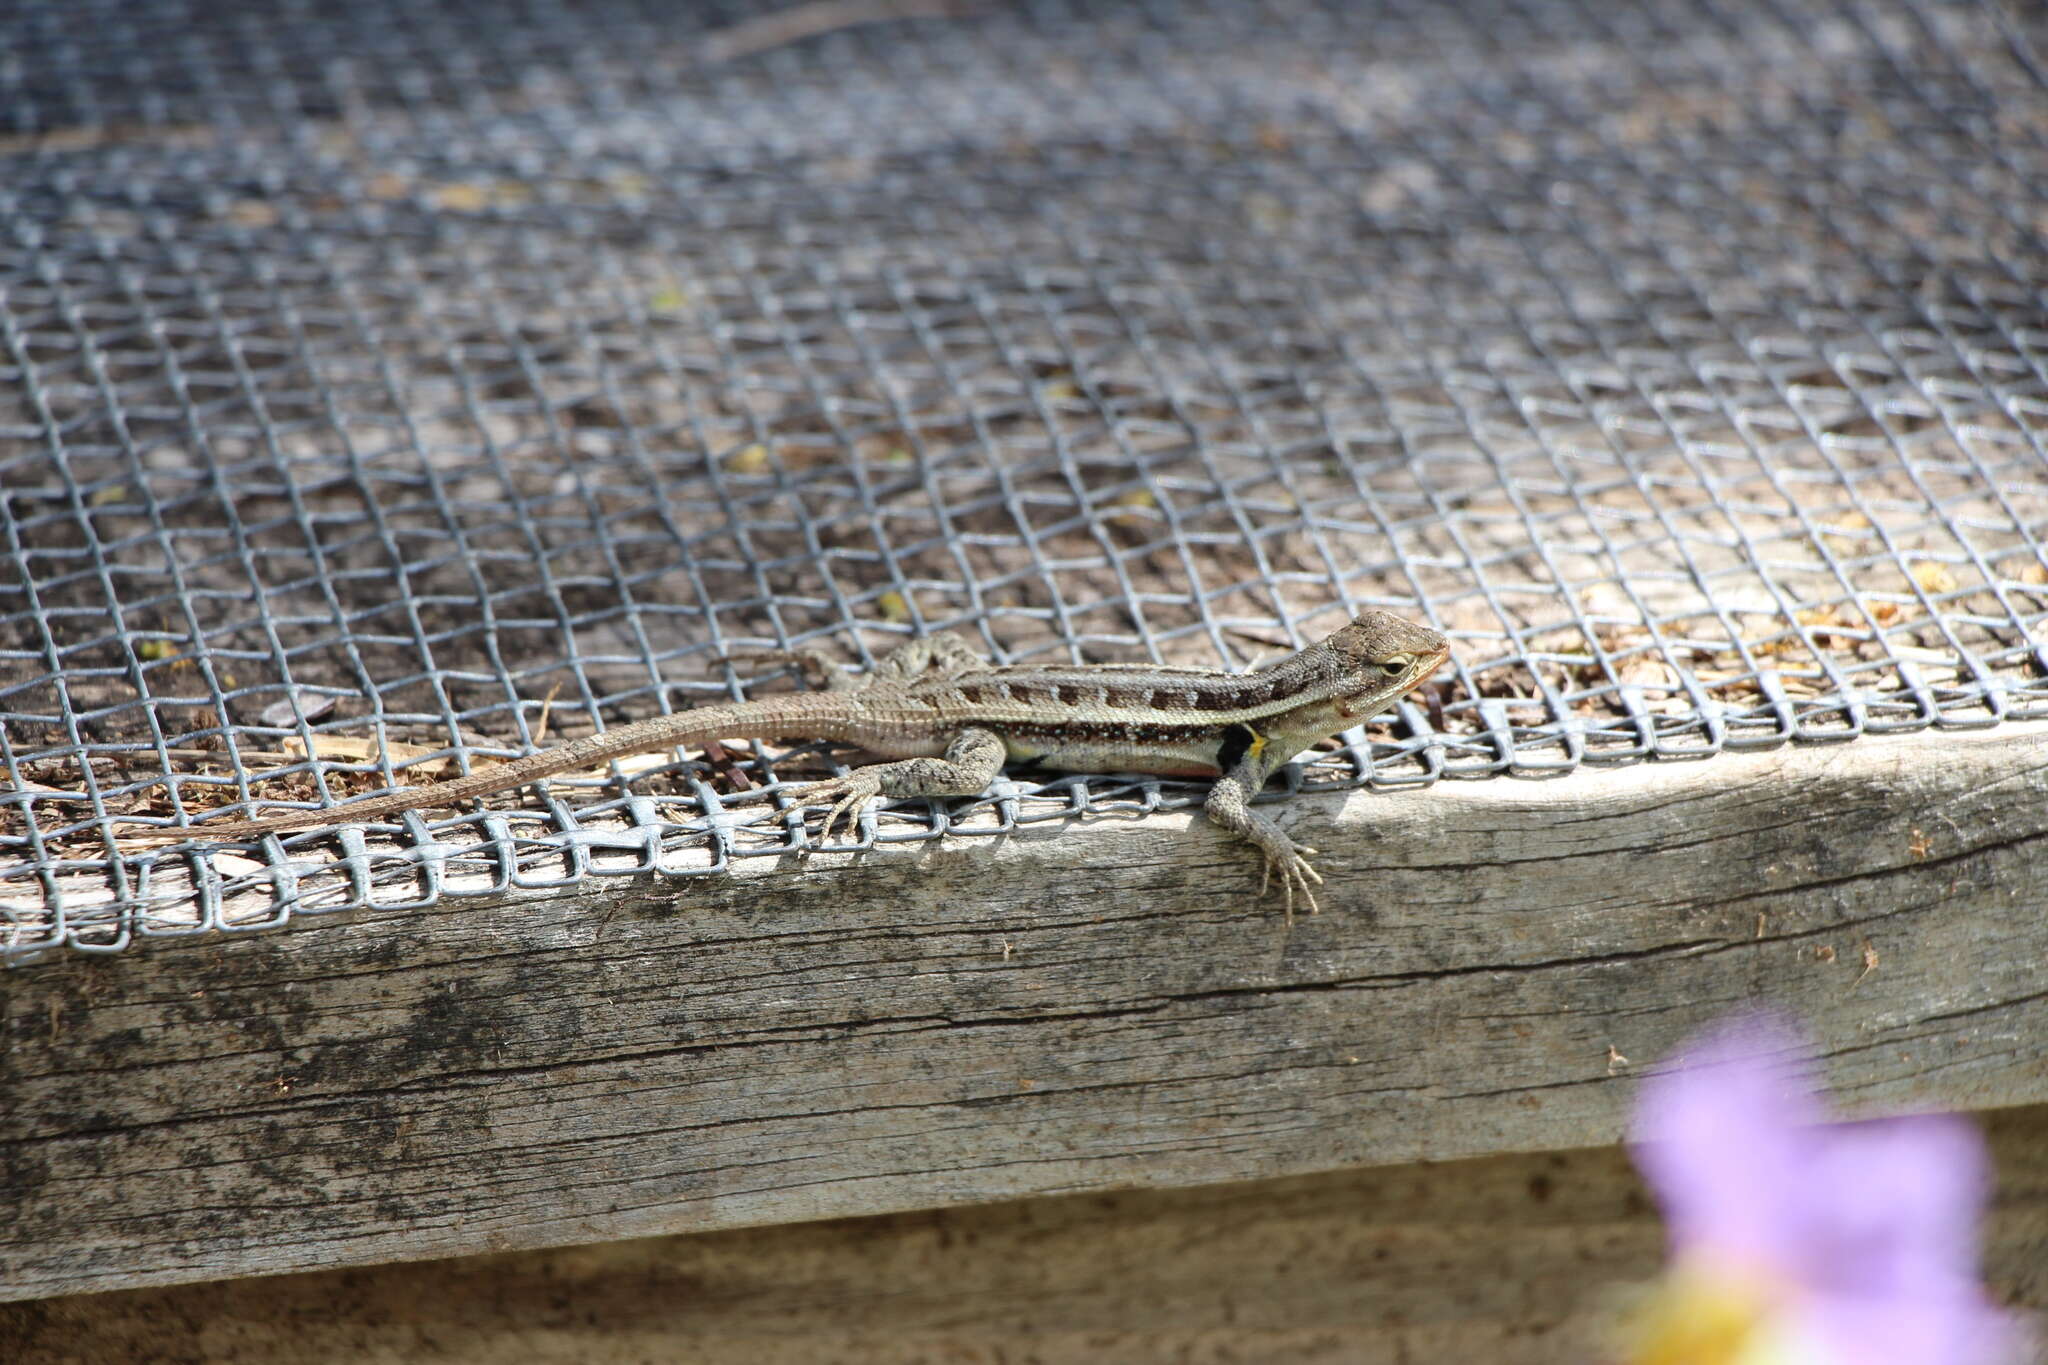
(1094, 1006)
(1512, 1260)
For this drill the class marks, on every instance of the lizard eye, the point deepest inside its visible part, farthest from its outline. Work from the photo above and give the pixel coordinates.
(1394, 665)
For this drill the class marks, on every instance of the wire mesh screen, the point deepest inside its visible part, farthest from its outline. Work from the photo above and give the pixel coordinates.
(393, 387)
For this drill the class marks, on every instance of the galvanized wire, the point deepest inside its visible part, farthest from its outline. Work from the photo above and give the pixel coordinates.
(393, 386)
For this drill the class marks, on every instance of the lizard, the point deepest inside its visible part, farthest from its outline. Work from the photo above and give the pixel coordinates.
(950, 720)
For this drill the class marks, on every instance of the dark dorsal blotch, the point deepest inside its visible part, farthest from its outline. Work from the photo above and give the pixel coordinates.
(1221, 699)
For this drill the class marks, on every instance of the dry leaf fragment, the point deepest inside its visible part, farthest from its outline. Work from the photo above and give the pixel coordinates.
(1934, 577)
(1132, 507)
(252, 213)
(1647, 670)
(751, 459)
(461, 197)
(1844, 540)
(311, 707)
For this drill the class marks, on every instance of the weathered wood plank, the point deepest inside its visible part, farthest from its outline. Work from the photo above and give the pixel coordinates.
(1090, 1007)
(1511, 1260)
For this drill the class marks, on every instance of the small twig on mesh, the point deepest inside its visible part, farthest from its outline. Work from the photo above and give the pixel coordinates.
(726, 766)
(47, 793)
(547, 709)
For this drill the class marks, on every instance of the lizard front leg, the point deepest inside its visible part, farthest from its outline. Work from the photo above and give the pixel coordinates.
(972, 761)
(1229, 805)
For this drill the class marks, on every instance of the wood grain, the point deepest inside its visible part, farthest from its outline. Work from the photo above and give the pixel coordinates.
(1512, 1260)
(1095, 1006)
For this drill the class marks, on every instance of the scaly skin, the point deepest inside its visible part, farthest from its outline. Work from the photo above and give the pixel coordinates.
(951, 720)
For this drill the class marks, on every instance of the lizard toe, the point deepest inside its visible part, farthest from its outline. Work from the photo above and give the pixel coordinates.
(1308, 892)
(847, 795)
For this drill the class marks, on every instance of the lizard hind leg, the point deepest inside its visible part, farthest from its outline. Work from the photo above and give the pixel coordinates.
(971, 762)
(928, 656)
(820, 670)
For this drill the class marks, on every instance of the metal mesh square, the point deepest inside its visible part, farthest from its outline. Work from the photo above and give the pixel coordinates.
(389, 387)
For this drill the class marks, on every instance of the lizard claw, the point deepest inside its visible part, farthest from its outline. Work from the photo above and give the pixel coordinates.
(1296, 874)
(847, 795)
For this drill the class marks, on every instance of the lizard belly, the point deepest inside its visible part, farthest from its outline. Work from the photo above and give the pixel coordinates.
(1194, 756)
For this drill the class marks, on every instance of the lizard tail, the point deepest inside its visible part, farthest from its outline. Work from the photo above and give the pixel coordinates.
(813, 717)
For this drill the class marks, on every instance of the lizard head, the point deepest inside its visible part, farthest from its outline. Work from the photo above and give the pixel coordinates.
(1387, 656)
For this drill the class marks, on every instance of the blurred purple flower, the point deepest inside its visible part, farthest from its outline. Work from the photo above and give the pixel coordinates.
(1797, 1240)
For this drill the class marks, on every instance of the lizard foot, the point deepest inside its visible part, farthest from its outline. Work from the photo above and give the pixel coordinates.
(847, 795)
(1291, 862)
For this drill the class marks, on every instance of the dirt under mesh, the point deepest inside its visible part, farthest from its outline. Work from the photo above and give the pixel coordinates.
(388, 387)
